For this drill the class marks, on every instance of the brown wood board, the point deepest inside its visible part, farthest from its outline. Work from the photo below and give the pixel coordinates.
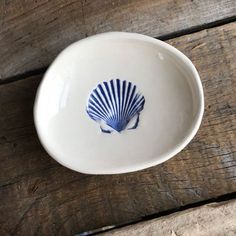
(40, 197)
(33, 32)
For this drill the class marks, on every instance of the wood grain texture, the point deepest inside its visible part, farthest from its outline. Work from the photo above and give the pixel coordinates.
(212, 219)
(40, 197)
(33, 32)
(152, 17)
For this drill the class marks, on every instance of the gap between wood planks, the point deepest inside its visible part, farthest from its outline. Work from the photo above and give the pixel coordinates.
(176, 34)
(222, 198)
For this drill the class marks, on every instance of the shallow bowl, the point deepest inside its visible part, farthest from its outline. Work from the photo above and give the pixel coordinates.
(89, 119)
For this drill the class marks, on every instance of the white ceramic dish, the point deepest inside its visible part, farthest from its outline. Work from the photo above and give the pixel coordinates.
(79, 130)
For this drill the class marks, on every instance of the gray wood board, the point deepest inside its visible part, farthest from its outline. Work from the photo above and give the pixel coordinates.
(32, 32)
(211, 219)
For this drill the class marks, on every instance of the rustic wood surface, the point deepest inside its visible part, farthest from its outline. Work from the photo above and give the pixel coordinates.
(216, 219)
(33, 32)
(40, 197)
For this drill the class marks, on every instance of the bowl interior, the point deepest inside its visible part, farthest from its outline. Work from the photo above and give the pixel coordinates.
(164, 76)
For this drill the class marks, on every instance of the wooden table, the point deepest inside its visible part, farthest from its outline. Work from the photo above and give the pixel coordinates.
(41, 197)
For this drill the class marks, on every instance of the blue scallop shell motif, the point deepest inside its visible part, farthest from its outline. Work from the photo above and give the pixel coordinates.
(115, 105)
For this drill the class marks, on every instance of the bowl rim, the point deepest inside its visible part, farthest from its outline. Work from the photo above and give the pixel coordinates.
(146, 164)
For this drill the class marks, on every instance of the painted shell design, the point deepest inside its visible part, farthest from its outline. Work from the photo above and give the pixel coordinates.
(115, 105)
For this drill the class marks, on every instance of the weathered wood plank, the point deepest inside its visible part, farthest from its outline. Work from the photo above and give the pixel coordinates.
(211, 219)
(152, 17)
(38, 196)
(33, 32)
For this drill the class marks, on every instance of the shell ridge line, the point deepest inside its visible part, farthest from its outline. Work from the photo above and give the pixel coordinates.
(96, 110)
(119, 98)
(137, 106)
(114, 97)
(109, 95)
(128, 94)
(130, 100)
(123, 97)
(107, 105)
(101, 102)
(96, 104)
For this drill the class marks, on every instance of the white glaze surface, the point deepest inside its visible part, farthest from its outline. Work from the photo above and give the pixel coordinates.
(170, 118)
